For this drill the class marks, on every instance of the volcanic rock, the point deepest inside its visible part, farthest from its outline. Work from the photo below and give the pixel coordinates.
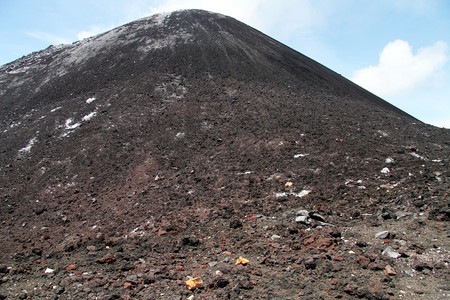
(158, 142)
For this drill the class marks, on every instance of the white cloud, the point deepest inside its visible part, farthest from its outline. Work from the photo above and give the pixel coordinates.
(48, 37)
(399, 71)
(93, 30)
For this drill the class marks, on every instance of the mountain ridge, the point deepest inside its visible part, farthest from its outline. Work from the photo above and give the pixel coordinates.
(125, 35)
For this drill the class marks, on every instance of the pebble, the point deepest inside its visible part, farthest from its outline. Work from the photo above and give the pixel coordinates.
(317, 217)
(303, 212)
(131, 278)
(390, 252)
(388, 270)
(212, 264)
(91, 248)
(302, 219)
(310, 263)
(363, 262)
(236, 224)
(385, 170)
(402, 214)
(383, 235)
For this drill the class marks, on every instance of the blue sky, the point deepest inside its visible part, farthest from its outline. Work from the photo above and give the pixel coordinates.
(398, 49)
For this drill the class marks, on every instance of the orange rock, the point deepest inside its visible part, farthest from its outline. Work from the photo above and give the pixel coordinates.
(242, 261)
(71, 267)
(193, 283)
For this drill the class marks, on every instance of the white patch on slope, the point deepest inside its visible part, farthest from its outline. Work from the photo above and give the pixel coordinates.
(168, 41)
(74, 55)
(418, 156)
(89, 116)
(56, 108)
(27, 148)
(160, 19)
(90, 100)
(69, 126)
(299, 194)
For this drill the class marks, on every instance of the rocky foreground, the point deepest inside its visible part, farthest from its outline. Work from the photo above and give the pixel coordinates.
(330, 254)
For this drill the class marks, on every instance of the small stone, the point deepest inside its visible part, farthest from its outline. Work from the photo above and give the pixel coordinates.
(310, 263)
(383, 235)
(71, 267)
(377, 266)
(410, 272)
(190, 241)
(106, 260)
(402, 214)
(390, 252)
(91, 248)
(128, 285)
(335, 232)
(361, 244)
(131, 278)
(317, 217)
(49, 271)
(37, 251)
(302, 219)
(242, 261)
(420, 266)
(275, 237)
(363, 261)
(212, 264)
(385, 170)
(257, 272)
(193, 283)
(149, 279)
(389, 160)
(218, 281)
(236, 224)
(388, 270)
(303, 212)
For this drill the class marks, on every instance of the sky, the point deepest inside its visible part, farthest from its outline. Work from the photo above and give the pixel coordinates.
(397, 49)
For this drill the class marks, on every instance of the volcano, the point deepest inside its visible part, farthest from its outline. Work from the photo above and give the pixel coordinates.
(173, 145)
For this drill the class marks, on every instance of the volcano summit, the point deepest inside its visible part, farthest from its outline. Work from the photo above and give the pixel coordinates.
(173, 145)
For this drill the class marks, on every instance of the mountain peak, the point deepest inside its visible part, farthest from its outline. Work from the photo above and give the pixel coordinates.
(180, 136)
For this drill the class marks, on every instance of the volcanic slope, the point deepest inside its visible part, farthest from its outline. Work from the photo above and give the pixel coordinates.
(172, 145)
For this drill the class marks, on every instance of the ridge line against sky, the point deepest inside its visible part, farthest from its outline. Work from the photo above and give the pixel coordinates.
(397, 49)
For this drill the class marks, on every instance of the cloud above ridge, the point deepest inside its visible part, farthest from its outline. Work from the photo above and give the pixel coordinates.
(400, 71)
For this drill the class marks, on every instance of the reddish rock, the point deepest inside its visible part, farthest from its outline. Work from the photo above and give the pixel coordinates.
(363, 261)
(128, 285)
(388, 270)
(106, 260)
(179, 268)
